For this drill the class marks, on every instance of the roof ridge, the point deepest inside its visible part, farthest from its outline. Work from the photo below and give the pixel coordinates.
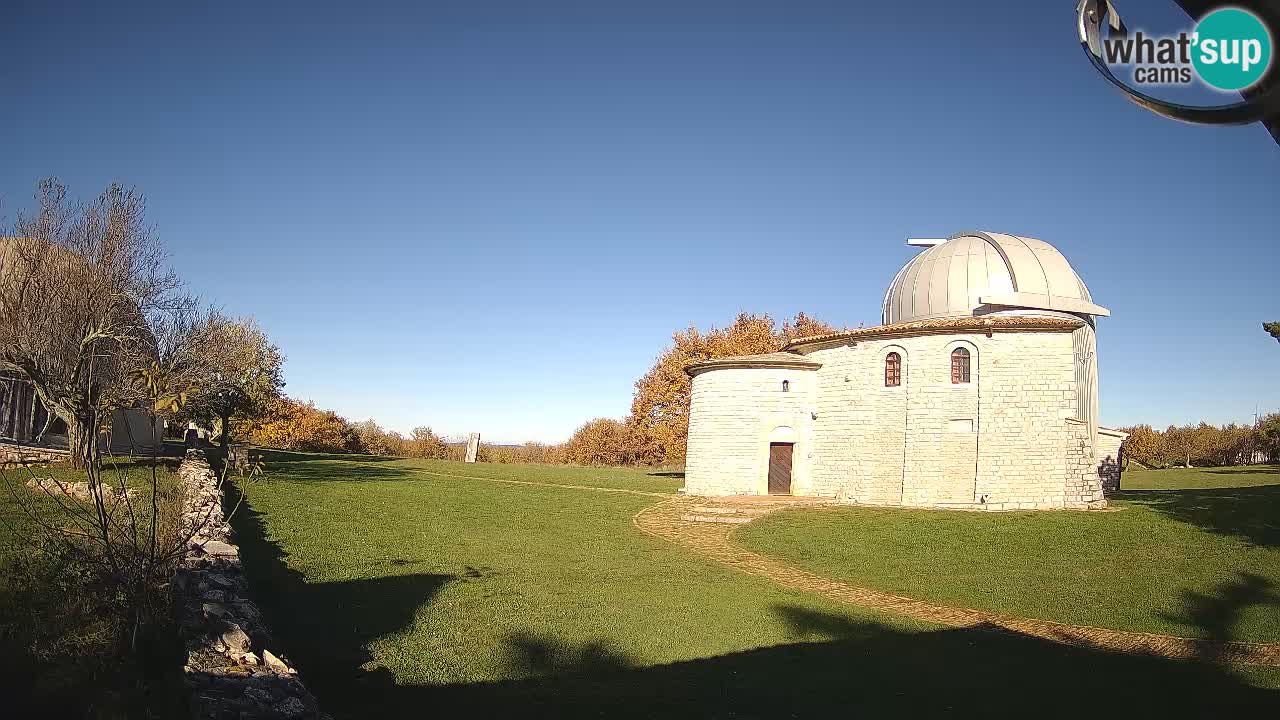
(986, 324)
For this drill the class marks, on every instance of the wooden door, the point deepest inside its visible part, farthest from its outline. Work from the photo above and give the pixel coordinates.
(780, 468)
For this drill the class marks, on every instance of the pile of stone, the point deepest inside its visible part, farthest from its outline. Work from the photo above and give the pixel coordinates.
(230, 672)
(78, 490)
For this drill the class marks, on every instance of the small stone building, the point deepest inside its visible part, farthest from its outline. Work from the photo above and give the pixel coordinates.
(25, 424)
(979, 391)
(24, 421)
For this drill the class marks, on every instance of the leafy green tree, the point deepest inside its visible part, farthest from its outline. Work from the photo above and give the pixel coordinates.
(1273, 329)
(239, 373)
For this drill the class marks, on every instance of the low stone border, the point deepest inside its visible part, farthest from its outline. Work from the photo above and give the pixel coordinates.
(78, 490)
(230, 672)
(20, 455)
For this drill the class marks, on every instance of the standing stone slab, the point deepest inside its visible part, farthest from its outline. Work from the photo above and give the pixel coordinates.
(473, 447)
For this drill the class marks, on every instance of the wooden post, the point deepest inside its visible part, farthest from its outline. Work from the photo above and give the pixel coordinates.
(238, 455)
(473, 447)
(6, 408)
(29, 429)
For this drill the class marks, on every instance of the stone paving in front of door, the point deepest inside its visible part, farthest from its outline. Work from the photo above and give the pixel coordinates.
(705, 525)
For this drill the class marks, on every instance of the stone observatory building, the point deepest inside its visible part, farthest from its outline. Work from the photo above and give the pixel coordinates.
(979, 391)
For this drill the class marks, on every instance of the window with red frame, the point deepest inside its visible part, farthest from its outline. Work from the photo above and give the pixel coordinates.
(959, 366)
(892, 370)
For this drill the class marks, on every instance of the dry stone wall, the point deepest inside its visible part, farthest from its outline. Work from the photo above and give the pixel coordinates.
(14, 454)
(231, 671)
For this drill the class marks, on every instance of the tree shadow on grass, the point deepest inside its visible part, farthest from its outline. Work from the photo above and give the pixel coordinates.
(285, 457)
(325, 628)
(317, 467)
(853, 668)
(1216, 613)
(1251, 513)
(838, 666)
(678, 474)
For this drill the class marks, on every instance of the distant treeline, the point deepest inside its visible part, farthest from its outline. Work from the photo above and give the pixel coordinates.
(1205, 445)
(293, 425)
(652, 434)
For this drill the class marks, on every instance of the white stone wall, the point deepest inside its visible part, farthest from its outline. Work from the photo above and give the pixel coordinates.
(734, 414)
(999, 441)
(1003, 441)
(1029, 393)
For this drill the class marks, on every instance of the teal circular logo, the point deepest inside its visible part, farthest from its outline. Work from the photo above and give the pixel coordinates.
(1231, 49)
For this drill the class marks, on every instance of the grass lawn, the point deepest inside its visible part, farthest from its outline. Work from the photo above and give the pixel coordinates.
(316, 466)
(59, 626)
(411, 589)
(1187, 552)
(17, 525)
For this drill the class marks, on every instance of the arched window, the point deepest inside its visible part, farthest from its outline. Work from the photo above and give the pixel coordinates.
(959, 366)
(892, 370)
(786, 386)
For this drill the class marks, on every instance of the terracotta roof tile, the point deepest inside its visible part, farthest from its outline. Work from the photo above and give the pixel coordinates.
(791, 357)
(936, 326)
(773, 359)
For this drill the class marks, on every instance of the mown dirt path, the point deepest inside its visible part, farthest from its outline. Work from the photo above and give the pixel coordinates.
(672, 521)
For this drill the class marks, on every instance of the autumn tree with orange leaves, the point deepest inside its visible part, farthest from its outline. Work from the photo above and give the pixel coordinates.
(660, 409)
(293, 425)
(603, 441)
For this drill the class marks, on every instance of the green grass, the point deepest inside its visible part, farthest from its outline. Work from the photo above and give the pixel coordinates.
(403, 589)
(319, 466)
(60, 627)
(454, 565)
(1202, 478)
(22, 509)
(1188, 552)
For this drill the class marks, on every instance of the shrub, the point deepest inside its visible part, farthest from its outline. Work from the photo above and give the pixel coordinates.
(426, 444)
(603, 441)
(292, 425)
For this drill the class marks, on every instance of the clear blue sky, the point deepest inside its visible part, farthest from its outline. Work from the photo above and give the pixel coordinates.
(491, 215)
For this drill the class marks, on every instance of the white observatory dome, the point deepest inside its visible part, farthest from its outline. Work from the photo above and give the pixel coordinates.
(980, 273)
